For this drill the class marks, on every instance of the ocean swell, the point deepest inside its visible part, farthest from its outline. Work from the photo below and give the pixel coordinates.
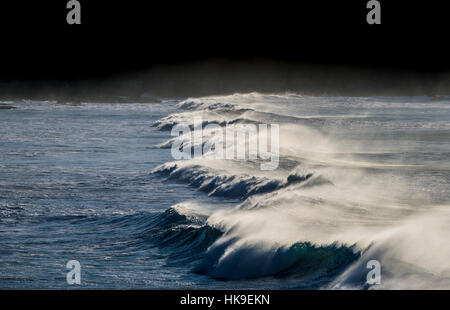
(334, 203)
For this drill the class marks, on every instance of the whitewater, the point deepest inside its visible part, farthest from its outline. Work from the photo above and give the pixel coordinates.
(358, 179)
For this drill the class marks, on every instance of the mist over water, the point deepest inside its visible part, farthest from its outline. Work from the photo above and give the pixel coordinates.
(359, 179)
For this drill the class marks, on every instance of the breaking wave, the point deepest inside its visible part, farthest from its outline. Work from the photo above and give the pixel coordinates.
(344, 194)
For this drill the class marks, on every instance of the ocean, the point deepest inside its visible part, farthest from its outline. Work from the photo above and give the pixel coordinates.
(359, 179)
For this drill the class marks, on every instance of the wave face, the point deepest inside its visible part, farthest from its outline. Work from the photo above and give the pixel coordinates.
(359, 179)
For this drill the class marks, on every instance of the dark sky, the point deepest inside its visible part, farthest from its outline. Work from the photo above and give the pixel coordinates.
(142, 38)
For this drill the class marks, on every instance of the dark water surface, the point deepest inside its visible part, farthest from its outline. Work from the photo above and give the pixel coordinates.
(76, 183)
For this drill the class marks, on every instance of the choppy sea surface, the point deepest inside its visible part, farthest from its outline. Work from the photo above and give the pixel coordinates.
(359, 179)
